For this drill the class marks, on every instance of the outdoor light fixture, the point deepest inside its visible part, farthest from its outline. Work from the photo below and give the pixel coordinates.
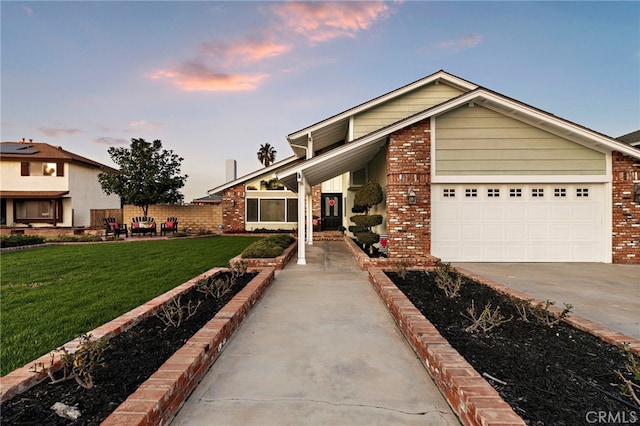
(412, 197)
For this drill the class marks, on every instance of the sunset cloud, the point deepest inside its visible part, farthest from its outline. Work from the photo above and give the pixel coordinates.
(53, 133)
(324, 21)
(251, 50)
(111, 141)
(193, 76)
(457, 45)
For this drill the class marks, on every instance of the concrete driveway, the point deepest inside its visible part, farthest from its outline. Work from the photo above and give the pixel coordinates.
(601, 292)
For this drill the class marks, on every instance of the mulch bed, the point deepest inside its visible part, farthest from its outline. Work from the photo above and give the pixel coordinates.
(554, 375)
(131, 358)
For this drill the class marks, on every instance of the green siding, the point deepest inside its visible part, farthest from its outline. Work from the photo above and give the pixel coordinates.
(401, 107)
(480, 141)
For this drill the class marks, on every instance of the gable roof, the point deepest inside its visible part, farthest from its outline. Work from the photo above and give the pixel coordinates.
(632, 138)
(21, 151)
(328, 131)
(266, 170)
(359, 152)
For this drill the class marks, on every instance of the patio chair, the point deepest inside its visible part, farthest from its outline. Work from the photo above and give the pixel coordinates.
(143, 225)
(111, 226)
(171, 225)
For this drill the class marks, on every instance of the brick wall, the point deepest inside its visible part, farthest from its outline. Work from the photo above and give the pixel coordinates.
(316, 192)
(192, 218)
(408, 167)
(626, 212)
(233, 209)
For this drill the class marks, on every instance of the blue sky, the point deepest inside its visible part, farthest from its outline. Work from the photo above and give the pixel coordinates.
(214, 80)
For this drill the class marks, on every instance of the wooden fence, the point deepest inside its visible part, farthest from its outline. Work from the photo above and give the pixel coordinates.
(99, 215)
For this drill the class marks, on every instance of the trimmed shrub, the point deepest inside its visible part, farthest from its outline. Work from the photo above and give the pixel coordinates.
(367, 221)
(20, 240)
(367, 238)
(271, 246)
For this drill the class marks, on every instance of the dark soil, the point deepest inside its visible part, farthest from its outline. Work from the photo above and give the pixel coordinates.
(555, 375)
(131, 358)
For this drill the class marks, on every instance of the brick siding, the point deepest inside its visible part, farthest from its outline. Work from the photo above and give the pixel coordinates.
(233, 209)
(409, 167)
(626, 212)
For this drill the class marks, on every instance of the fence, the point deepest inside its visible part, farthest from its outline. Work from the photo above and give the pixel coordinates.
(99, 215)
(192, 218)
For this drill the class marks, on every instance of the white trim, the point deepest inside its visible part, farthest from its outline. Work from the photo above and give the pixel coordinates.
(301, 218)
(252, 175)
(351, 127)
(607, 226)
(432, 153)
(522, 179)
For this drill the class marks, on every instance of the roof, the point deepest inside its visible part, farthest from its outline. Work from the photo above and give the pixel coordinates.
(33, 194)
(333, 129)
(269, 169)
(44, 152)
(632, 138)
(357, 153)
(209, 199)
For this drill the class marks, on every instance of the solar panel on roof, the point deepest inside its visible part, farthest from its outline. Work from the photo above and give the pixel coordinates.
(10, 148)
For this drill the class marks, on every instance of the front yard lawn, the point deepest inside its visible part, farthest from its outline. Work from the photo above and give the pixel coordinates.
(50, 295)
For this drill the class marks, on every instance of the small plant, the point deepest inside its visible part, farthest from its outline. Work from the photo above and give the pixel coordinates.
(81, 364)
(630, 386)
(174, 312)
(238, 269)
(548, 318)
(446, 282)
(523, 307)
(486, 321)
(215, 287)
(402, 268)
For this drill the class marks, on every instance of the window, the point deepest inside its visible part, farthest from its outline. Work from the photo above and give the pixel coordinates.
(38, 210)
(41, 169)
(493, 192)
(272, 209)
(471, 192)
(359, 177)
(582, 192)
(48, 169)
(24, 168)
(515, 192)
(537, 192)
(449, 193)
(560, 192)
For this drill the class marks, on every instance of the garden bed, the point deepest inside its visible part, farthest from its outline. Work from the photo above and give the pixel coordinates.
(548, 375)
(137, 360)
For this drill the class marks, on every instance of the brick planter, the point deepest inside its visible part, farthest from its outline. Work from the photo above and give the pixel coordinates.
(367, 262)
(159, 398)
(472, 398)
(278, 262)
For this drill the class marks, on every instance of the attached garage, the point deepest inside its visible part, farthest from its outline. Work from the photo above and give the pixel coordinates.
(519, 222)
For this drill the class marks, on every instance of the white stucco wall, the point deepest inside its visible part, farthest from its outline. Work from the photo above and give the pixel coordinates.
(11, 180)
(86, 194)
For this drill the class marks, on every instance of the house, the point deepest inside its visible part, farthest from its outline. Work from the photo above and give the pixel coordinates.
(491, 179)
(43, 186)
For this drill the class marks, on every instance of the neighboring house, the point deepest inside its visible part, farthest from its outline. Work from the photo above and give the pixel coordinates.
(44, 185)
(494, 179)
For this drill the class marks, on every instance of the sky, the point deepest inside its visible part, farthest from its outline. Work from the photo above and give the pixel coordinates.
(215, 80)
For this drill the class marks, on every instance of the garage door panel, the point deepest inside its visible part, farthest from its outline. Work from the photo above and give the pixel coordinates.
(544, 223)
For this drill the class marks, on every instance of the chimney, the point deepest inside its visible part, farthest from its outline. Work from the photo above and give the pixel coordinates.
(231, 169)
(22, 141)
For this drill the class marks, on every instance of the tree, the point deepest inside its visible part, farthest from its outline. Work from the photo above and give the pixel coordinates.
(266, 154)
(367, 196)
(148, 175)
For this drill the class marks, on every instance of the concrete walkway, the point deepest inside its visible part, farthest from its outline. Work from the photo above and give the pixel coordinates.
(318, 349)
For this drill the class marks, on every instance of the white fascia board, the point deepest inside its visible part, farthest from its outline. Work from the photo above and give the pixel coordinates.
(440, 75)
(252, 175)
(507, 179)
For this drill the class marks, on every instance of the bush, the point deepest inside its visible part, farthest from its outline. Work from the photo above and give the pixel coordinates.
(271, 246)
(366, 221)
(74, 239)
(20, 240)
(367, 238)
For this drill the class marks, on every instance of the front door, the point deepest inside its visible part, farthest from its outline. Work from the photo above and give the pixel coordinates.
(331, 211)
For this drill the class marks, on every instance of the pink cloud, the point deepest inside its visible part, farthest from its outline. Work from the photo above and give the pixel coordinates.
(111, 141)
(324, 21)
(462, 43)
(52, 133)
(251, 50)
(192, 77)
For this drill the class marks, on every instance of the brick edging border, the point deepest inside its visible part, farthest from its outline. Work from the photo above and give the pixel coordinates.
(471, 397)
(160, 397)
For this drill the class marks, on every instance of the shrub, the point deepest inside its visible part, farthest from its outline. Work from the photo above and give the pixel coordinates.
(20, 240)
(366, 221)
(367, 238)
(282, 240)
(75, 239)
(271, 246)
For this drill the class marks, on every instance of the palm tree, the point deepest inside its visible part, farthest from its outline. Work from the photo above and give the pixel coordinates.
(266, 154)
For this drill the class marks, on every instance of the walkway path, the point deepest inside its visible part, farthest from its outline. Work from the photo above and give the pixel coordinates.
(319, 348)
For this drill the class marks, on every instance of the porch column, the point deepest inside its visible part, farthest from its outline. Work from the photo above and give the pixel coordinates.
(302, 195)
(309, 210)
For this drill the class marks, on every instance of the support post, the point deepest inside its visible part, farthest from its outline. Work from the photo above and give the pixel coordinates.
(301, 219)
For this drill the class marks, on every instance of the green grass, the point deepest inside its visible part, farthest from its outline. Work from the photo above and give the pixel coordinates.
(51, 295)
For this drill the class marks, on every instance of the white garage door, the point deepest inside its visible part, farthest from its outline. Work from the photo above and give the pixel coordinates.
(518, 222)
